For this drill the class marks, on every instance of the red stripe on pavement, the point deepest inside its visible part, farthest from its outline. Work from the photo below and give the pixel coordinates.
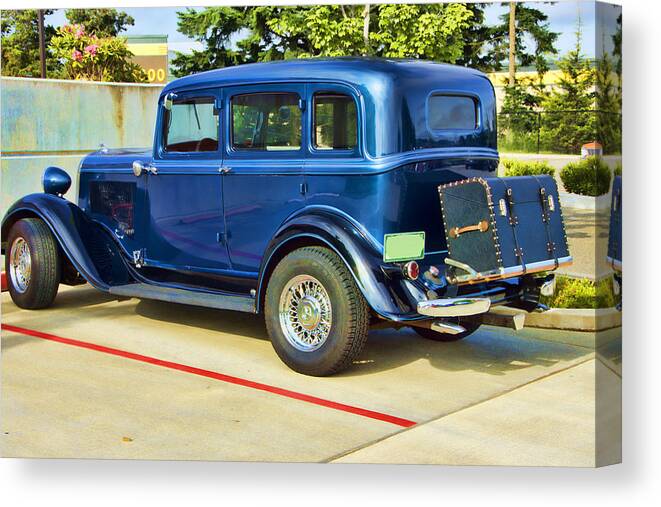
(215, 375)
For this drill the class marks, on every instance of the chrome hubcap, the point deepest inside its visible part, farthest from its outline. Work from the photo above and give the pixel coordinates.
(20, 265)
(305, 313)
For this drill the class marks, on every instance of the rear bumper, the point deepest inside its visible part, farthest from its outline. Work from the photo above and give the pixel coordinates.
(471, 276)
(454, 307)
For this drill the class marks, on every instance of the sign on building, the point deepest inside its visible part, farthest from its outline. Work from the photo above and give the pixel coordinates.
(151, 53)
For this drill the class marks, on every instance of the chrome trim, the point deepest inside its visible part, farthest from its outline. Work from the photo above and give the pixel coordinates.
(615, 264)
(548, 288)
(305, 313)
(447, 328)
(511, 272)
(454, 307)
(20, 265)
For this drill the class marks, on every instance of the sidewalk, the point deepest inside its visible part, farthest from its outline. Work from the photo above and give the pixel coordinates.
(548, 422)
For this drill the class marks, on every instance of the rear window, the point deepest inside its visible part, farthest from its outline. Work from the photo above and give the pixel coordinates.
(266, 121)
(452, 112)
(334, 122)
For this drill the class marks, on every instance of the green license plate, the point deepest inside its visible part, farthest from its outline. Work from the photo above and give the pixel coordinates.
(406, 246)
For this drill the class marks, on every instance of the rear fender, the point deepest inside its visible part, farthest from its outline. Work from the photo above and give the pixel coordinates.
(87, 246)
(385, 290)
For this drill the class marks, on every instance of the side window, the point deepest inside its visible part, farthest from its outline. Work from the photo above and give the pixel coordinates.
(452, 112)
(191, 125)
(335, 122)
(266, 121)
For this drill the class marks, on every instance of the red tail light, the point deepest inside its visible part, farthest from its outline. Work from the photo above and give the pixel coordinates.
(411, 270)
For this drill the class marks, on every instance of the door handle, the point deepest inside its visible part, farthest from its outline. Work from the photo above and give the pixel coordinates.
(139, 168)
(225, 170)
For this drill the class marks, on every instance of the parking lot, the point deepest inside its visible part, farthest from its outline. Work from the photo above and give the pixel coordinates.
(99, 378)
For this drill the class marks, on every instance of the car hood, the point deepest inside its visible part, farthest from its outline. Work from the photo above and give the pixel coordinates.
(123, 157)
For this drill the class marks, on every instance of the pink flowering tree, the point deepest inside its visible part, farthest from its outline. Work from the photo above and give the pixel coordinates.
(90, 58)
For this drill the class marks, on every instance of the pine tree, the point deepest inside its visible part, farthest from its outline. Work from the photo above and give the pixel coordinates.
(20, 44)
(569, 120)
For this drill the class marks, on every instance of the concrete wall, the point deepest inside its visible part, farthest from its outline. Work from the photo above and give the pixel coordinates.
(53, 122)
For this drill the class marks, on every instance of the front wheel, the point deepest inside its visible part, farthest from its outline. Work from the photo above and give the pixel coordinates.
(316, 317)
(32, 264)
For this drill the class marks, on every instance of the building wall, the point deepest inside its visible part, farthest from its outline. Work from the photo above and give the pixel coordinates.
(52, 122)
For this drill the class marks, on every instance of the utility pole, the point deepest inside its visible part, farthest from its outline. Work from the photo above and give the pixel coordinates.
(512, 66)
(42, 43)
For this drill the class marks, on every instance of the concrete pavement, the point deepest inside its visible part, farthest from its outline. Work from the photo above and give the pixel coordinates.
(60, 400)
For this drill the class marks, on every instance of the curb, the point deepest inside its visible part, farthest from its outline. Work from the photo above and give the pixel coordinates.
(585, 202)
(569, 319)
(3, 281)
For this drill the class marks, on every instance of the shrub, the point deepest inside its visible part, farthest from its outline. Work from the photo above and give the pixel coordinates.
(581, 293)
(88, 57)
(527, 167)
(590, 176)
(618, 169)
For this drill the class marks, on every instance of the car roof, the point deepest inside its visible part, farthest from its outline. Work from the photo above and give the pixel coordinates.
(356, 71)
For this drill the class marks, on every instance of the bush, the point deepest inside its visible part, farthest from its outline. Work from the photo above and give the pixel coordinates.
(90, 58)
(618, 169)
(590, 176)
(527, 167)
(581, 293)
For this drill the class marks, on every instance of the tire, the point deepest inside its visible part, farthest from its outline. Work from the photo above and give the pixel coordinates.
(470, 327)
(315, 315)
(32, 264)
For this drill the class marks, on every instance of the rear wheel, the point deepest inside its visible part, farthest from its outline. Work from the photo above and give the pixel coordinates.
(32, 264)
(470, 328)
(315, 315)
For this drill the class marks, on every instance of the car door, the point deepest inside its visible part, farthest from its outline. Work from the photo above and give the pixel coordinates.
(186, 227)
(263, 166)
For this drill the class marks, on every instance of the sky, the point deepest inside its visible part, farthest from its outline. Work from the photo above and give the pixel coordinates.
(562, 15)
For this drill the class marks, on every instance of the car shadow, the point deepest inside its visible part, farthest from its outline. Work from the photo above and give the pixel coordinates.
(495, 351)
(490, 350)
(220, 321)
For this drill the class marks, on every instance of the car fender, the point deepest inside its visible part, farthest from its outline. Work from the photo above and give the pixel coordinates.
(385, 290)
(87, 246)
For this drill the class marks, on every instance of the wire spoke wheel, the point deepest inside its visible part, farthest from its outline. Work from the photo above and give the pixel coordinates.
(305, 313)
(20, 265)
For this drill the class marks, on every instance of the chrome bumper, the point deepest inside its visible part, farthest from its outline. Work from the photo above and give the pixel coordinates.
(454, 307)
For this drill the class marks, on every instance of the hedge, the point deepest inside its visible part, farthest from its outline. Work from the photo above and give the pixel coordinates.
(527, 167)
(589, 176)
(581, 293)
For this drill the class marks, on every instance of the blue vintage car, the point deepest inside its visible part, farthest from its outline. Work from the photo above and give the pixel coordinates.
(304, 190)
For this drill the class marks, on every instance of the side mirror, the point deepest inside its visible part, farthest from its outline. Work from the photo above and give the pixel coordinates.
(55, 181)
(168, 101)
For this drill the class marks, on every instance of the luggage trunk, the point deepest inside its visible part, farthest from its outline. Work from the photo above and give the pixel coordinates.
(614, 255)
(502, 227)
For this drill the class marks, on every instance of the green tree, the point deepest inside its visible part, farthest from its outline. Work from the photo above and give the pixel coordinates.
(88, 57)
(20, 44)
(213, 27)
(608, 94)
(569, 119)
(429, 31)
(100, 22)
(236, 35)
(530, 24)
(478, 52)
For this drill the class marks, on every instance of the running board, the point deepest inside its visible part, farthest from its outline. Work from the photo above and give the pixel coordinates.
(186, 297)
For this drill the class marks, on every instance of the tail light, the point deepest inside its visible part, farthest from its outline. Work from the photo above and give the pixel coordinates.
(411, 270)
